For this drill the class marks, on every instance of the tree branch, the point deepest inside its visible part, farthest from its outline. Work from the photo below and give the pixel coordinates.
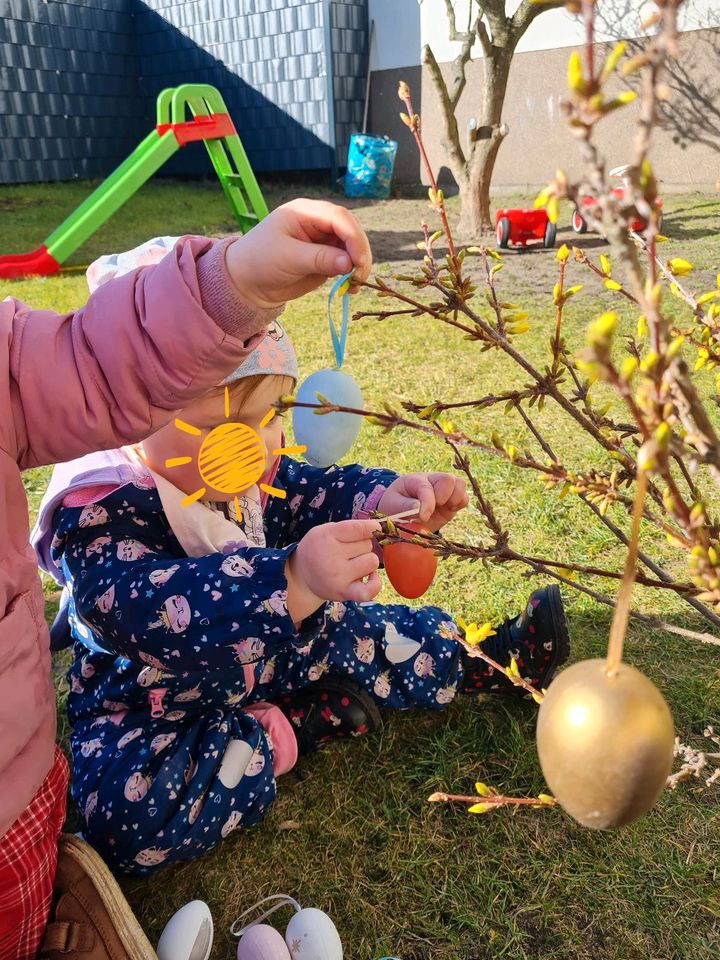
(494, 10)
(633, 614)
(467, 38)
(455, 34)
(483, 37)
(452, 137)
(526, 13)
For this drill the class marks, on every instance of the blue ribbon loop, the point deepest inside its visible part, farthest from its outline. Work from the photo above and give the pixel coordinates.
(339, 341)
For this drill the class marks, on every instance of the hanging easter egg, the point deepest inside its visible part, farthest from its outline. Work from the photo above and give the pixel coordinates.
(188, 934)
(605, 743)
(328, 437)
(262, 942)
(409, 567)
(311, 935)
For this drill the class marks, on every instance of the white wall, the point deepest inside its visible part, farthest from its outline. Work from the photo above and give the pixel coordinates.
(397, 40)
(402, 27)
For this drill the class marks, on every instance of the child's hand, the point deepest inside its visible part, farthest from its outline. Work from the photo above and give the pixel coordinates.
(330, 563)
(295, 249)
(440, 496)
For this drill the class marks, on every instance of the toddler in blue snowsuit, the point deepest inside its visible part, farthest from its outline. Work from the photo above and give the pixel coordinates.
(216, 637)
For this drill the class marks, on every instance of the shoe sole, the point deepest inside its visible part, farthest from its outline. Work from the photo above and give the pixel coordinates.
(560, 631)
(123, 920)
(368, 704)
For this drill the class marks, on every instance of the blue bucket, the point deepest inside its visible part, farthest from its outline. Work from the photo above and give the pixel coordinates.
(370, 166)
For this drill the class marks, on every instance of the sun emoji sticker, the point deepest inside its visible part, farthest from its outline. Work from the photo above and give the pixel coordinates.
(231, 458)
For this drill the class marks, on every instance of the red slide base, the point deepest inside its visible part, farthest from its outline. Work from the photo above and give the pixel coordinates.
(36, 263)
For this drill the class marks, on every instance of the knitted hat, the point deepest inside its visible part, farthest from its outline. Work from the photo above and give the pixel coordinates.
(273, 355)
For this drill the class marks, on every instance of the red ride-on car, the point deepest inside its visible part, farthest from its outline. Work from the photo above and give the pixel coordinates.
(588, 205)
(521, 226)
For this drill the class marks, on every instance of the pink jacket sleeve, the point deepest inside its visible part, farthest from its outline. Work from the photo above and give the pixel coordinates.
(111, 373)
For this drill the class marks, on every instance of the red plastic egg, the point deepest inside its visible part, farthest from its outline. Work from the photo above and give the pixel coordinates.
(410, 568)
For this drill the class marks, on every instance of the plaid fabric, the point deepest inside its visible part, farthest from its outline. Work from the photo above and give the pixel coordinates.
(28, 858)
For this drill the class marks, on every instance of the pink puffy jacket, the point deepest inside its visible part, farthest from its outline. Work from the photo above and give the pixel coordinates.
(145, 345)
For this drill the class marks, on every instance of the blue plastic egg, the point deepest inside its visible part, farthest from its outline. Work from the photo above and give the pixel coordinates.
(328, 437)
(262, 942)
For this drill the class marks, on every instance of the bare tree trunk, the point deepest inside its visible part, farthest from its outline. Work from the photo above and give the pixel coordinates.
(475, 218)
(474, 210)
(498, 39)
(474, 172)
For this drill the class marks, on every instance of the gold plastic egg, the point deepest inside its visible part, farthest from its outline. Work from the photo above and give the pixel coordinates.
(605, 743)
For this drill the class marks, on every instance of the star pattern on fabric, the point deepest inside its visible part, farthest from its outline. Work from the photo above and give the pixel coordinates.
(176, 773)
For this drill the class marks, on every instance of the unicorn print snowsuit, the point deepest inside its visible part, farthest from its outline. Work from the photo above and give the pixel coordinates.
(177, 657)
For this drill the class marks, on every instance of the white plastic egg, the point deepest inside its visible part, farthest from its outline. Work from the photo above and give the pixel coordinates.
(188, 934)
(262, 942)
(311, 935)
(328, 437)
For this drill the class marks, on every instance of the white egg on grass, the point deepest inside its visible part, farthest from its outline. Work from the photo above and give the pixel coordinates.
(328, 437)
(311, 935)
(188, 934)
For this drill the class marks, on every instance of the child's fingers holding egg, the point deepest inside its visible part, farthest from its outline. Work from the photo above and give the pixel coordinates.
(408, 491)
(363, 591)
(355, 549)
(361, 567)
(295, 249)
(460, 498)
(359, 550)
(355, 531)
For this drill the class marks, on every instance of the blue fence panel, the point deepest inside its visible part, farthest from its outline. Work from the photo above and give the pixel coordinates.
(85, 74)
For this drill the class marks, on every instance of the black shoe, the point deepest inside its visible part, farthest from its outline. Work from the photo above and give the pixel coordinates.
(537, 639)
(328, 709)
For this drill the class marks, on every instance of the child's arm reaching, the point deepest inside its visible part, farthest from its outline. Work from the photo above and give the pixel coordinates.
(144, 345)
(332, 562)
(318, 495)
(143, 598)
(147, 601)
(322, 494)
(148, 343)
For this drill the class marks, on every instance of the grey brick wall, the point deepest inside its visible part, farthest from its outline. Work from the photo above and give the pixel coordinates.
(349, 39)
(266, 57)
(68, 89)
(78, 79)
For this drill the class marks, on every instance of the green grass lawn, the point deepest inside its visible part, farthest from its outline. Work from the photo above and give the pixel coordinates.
(401, 876)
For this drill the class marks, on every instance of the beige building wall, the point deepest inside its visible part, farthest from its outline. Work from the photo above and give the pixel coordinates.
(686, 154)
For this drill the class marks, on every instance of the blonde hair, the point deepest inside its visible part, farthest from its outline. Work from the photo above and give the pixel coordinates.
(241, 390)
